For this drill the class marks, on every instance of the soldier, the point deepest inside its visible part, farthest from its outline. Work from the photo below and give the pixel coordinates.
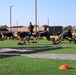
(23, 36)
(31, 27)
(64, 35)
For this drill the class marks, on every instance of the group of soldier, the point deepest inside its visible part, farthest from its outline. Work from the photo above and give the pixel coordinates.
(25, 36)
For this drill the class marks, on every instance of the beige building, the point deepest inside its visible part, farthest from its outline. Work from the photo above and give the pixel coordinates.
(24, 28)
(52, 29)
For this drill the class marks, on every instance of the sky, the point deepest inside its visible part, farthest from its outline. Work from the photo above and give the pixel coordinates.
(59, 12)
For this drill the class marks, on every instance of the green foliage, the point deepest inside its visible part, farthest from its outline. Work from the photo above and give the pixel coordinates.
(3, 26)
(36, 26)
(69, 27)
(74, 28)
(45, 25)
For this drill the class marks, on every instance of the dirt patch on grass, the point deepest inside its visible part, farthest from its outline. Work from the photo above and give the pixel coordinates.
(27, 50)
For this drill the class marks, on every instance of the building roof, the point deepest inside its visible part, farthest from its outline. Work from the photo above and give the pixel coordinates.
(16, 26)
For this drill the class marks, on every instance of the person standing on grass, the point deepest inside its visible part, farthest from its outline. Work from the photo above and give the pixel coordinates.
(31, 27)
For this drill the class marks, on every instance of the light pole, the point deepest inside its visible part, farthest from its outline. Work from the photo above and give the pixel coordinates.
(17, 25)
(36, 15)
(10, 17)
(48, 21)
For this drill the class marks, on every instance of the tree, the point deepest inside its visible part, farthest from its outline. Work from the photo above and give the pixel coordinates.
(45, 25)
(3, 26)
(74, 28)
(69, 27)
(35, 25)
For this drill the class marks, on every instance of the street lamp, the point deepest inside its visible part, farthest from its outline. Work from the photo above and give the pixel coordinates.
(36, 14)
(10, 17)
(48, 21)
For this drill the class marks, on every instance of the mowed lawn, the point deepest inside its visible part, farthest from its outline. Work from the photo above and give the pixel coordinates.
(13, 43)
(71, 47)
(20, 65)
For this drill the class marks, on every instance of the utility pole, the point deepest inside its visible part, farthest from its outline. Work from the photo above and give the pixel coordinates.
(36, 15)
(11, 17)
(17, 25)
(48, 21)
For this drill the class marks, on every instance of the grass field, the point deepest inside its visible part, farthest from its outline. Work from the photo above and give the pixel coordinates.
(28, 66)
(19, 65)
(70, 50)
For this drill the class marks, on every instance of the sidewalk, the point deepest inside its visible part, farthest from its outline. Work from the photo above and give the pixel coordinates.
(52, 56)
(7, 52)
(28, 50)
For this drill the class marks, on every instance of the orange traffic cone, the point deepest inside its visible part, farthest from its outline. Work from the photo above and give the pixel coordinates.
(64, 67)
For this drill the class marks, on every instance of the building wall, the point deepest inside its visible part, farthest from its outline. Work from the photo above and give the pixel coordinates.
(26, 29)
(52, 29)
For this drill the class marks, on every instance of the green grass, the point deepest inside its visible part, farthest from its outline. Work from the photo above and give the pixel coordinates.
(70, 50)
(13, 43)
(20, 65)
